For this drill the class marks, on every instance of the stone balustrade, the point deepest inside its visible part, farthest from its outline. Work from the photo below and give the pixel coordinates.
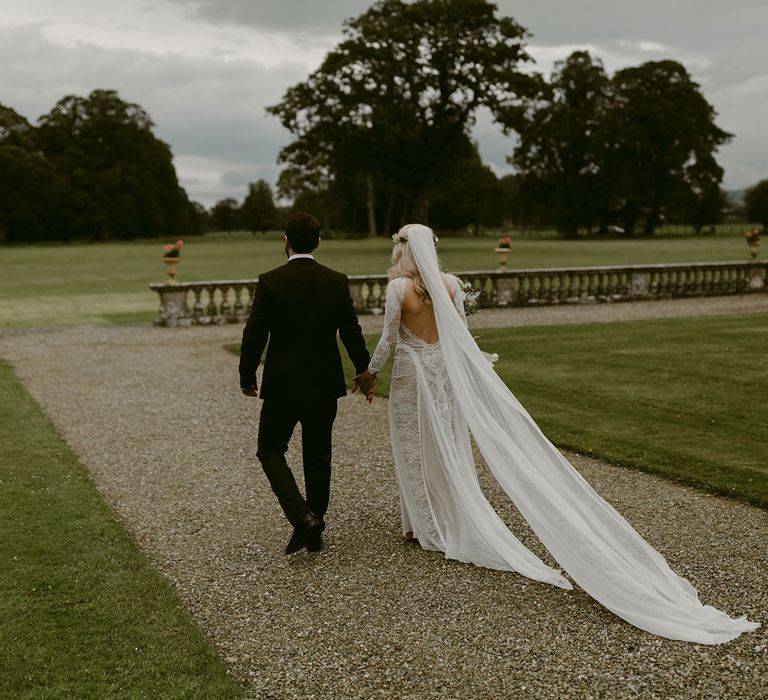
(229, 301)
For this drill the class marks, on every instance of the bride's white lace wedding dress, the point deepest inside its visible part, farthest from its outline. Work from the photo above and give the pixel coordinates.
(440, 393)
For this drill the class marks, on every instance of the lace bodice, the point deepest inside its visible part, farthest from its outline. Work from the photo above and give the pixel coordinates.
(395, 331)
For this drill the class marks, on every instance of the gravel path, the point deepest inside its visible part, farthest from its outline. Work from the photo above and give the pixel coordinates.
(158, 419)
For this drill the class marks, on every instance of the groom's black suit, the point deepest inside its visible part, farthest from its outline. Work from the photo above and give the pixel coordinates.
(299, 308)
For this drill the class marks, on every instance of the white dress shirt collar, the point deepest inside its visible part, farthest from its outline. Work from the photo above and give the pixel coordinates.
(296, 256)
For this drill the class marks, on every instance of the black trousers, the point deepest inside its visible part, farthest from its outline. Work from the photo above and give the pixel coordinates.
(277, 422)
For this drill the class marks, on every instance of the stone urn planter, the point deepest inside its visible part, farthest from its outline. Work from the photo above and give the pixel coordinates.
(502, 253)
(502, 250)
(753, 242)
(170, 269)
(171, 259)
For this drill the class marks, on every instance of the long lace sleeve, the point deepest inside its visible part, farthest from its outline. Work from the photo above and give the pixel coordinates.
(392, 305)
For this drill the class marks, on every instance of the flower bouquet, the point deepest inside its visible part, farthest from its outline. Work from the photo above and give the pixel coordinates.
(173, 250)
(471, 298)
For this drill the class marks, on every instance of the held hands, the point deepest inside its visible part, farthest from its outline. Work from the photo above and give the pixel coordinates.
(366, 382)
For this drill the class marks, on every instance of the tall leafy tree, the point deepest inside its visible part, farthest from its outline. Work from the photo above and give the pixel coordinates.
(397, 98)
(470, 197)
(561, 147)
(258, 212)
(15, 129)
(756, 203)
(594, 149)
(36, 203)
(664, 134)
(105, 148)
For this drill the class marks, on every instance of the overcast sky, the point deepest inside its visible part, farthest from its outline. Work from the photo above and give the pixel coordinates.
(206, 69)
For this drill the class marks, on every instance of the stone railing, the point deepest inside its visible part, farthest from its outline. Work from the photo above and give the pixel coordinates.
(228, 301)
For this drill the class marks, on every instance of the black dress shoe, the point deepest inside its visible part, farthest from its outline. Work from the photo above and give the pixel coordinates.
(315, 534)
(297, 541)
(315, 540)
(308, 531)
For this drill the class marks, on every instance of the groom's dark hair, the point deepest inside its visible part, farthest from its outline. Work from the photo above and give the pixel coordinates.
(303, 232)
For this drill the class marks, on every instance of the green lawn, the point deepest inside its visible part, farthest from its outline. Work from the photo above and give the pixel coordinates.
(83, 614)
(684, 398)
(107, 283)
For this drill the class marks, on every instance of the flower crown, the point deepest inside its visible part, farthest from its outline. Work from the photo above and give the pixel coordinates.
(403, 237)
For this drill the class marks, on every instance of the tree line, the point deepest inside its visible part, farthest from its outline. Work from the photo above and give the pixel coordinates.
(381, 130)
(381, 136)
(91, 168)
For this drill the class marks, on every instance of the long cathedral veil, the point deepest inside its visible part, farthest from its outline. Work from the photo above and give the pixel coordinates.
(593, 543)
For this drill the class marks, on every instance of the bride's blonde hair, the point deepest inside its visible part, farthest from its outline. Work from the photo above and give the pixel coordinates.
(403, 264)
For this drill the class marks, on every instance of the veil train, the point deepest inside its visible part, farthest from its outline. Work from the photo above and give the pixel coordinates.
(592, 542)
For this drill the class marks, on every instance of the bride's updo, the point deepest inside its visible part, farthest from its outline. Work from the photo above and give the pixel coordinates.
(403, 264)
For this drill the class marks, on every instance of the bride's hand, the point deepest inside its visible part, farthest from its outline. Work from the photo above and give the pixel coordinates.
(366, 382)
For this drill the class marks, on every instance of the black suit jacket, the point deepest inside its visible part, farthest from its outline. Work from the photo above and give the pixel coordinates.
(298, 308)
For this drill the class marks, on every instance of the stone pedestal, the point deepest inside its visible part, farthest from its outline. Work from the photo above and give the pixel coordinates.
(173, 309)
(638, 284)
(756, 277)
(504, 291)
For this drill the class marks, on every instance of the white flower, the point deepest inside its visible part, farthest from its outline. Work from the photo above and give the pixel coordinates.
(403, 237)
(471, 298)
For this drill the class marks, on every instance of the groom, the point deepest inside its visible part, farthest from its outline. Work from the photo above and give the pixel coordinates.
(298, 308)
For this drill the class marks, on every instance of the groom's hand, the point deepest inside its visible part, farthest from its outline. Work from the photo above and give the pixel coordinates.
(252, 390)
(366, 382)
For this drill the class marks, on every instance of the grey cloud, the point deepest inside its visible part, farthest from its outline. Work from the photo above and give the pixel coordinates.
(234, 179)
(695, 31)
(298, 16)
(722, 44)
(679, 23)
(203, 108)
(210, 108)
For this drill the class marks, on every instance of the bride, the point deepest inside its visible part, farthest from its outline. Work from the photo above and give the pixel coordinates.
(443, 389)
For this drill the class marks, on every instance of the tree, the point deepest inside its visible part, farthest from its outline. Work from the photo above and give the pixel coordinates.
(470, 197)
(258, 212)
(663, 133)
(15, 130)
(594, 149)
(105, 148)
(756, 203)
(36, 204)
(225, 215)
(561, 148)
(200, 219)
(396, 99)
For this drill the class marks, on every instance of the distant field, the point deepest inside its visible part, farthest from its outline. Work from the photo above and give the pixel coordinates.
(107, 283)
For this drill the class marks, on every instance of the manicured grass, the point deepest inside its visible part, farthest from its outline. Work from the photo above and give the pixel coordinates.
(107, 283)
(683, 398)
(82, 613)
